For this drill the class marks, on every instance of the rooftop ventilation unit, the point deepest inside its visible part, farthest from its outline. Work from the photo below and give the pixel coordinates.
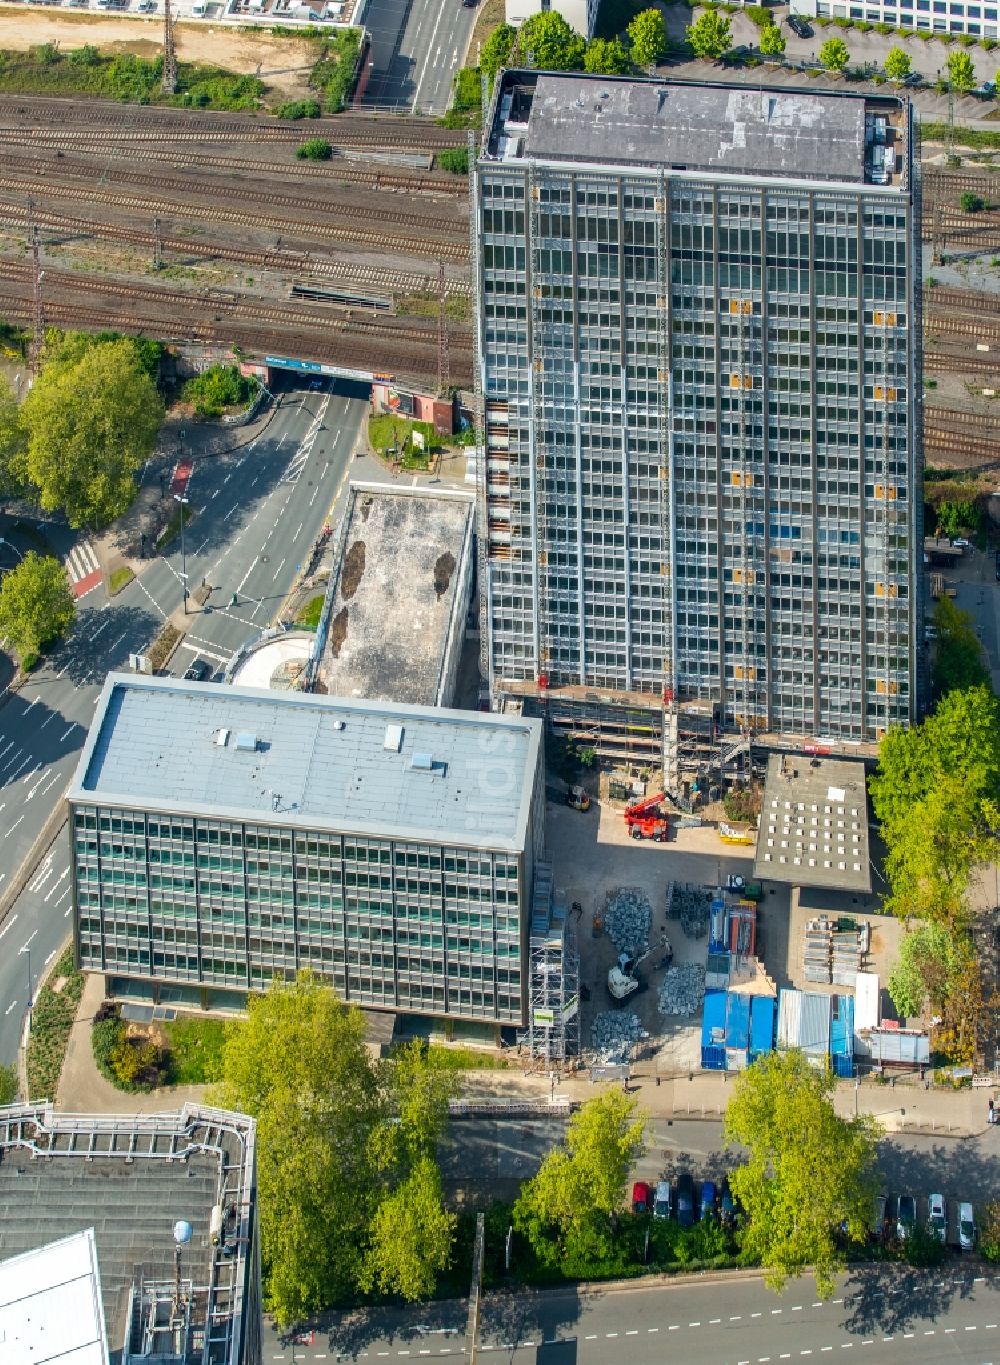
(338, 725)
(246, 742)
(422, 762)
(221, 738)
(393, 741)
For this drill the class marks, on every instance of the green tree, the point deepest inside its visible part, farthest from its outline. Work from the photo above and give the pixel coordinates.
(834, 54)
(299, 1065)
(709, 35)
(772, 41)
(961, 72)
(36, 605)
(808, 1174)
(566, 1209)
(92, 423)
(496, 51)
(958, 655)
(314, 149)
(13, 442)
(648, 35)
(411, 1236)
(969, 202)
(606, 57)
(935, 794)
(923, 971)
(897, 64)
(553, 45)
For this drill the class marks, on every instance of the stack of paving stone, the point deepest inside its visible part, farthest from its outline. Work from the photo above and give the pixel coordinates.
(682, 989)
(628, 919)
(691, 905)
(613, 1033)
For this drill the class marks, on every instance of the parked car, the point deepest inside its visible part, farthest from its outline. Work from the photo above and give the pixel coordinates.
(966, 1227)
(640, 1197)
(960, 543)
(799, 26)
(198, 671)
(906, 1217)
(685, 1201)
(878, 1217)
(661, 1204)
(727, 1206)
(937, 1218)
(707, 1208)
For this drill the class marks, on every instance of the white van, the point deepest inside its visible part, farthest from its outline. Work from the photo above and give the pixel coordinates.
(199, 9)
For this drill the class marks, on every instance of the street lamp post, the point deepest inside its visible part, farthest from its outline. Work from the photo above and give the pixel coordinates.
(184, 577)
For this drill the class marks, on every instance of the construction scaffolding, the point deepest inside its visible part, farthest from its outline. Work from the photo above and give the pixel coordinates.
(553, 1031)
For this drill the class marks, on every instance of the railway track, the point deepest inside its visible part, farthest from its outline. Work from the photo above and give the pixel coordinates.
(972, 452)
(943, 362)
(327, 173)
(425, 241)
(937, 184)
(954, 300)
(940, 418)
(982, 328)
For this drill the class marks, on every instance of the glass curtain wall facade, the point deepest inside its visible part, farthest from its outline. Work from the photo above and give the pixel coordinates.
(701, 463)
(188, 902)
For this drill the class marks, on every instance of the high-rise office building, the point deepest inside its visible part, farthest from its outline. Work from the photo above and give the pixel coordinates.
(699, 357)
(222, 836)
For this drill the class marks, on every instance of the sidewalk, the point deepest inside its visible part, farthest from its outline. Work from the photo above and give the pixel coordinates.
(82, 1088)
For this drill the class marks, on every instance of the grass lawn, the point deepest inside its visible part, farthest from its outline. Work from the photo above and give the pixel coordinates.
(173, 526)
(195, 1049)
(308, 617)
(121, 578)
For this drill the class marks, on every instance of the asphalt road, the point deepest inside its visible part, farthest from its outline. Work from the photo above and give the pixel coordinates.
(257, 512)
(417, 46)
(885, 1313)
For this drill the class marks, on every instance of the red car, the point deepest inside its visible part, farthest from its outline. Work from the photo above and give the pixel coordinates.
(641, 1199)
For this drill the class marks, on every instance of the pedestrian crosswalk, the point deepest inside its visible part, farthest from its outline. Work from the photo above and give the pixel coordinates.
(83, 568)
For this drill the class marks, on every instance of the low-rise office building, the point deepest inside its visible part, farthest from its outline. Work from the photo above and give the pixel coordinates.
(222, 836)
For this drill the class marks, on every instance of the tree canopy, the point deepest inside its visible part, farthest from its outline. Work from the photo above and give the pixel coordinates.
(897, 64)
(92, 419)
(935, 795)
(566, 1209)
(496, 51)
(648, 35)
(772, 41)
(13, 442)
(808, 1173)
(343, 1141)
(36, 605)
(958, 655)
(834, 54)
(606, 57)
(961, 72)
(710, 35)
(550, 42)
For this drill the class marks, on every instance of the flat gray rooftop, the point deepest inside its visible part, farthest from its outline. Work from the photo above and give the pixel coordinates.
(129, 1193)
(722, 128)
(814, 824)
(311, 762)
(399, 587)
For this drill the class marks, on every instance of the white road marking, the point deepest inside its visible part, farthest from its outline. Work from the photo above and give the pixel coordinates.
(27, 942)
(277, 571)
(62, 875)
(67, 732)
(9, 832)
(10, 1007)
(9, 925)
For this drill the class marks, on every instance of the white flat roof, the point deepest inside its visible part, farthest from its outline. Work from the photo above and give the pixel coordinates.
(50, 1305)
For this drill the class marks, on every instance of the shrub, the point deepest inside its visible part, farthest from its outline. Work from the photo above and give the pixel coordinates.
(468, 90)
(334, 73)
(87, 55)
(105, 1035)
(970, 203)
(884, 29)
(296, 109)
(989, 1231)
(314, 149)
(966, 40)
(454, 159)
(863, 26)
(218, 388)
(759, 15)
(51, 1020)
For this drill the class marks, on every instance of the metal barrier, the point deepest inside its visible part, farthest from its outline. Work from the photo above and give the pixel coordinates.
(560, 1106)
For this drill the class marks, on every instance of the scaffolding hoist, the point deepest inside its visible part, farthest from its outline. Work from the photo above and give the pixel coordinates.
(553, 1030)
(539, 496)
(667, 492)
(480, 421)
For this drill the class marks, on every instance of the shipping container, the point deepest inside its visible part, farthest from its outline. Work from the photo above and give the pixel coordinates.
(894, 1046)
(737, 1031)
(713, 1032)
(842, 1035)
(762, 1016)
(804, 1022)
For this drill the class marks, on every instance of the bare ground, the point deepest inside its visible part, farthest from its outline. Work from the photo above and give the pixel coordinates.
(282, 64)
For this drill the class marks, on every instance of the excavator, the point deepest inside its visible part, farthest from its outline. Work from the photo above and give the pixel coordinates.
(624, 979)
(645, 819)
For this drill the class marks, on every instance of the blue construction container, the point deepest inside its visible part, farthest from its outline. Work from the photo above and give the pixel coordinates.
(763, 1014)
(718, 926)
(713, 1032)
(737, 1031)
(842, 1035)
